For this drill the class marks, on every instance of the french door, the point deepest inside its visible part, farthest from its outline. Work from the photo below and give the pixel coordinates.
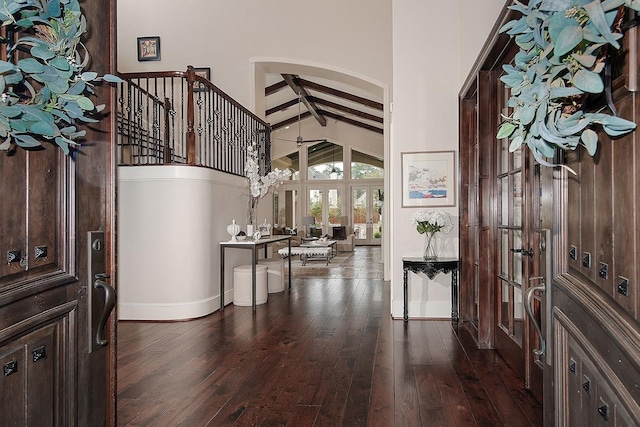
(325, 203)
(525, 192)
(367, 214)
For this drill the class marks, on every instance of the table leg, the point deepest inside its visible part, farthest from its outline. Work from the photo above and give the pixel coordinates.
(406, 296)
(222, 278)
(289, 240)
(253, 276)
(454, 295)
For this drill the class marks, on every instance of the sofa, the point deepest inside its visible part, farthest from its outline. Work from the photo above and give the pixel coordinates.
(296, 237)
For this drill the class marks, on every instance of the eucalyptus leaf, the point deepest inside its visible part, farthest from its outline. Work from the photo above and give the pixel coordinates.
(555, 5)
(505, 130)
(85, 103)
(568, 38)
(590, 141)
(588, 81)
(585, 60)
(6, 66)
(597, 17)
(26, 141)
(89, 76)
(42, 128)
(42, 52)
(112, 79)
(30, 65)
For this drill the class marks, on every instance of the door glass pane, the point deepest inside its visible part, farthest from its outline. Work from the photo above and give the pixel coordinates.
(315, 205)
(359, 203)
(518, 315)
(376, 213)
(504, 192)
(335, 206)
(504, 305)
(504, 253)
(517, 257)
(517, 199)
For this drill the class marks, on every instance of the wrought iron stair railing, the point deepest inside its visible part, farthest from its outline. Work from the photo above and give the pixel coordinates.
(178, 117)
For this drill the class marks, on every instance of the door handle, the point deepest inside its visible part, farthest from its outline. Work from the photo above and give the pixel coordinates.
(528, 306)
(109, 303)
(525, 252)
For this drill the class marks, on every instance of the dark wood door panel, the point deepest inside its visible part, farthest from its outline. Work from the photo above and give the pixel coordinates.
(13, 223)
(37, 360)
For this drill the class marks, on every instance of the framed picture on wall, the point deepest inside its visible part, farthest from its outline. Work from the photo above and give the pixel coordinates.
(149, 48)
(428, 179)
(204, 73)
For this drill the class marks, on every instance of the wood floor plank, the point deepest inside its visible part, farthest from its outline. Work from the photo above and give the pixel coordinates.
(326, 353)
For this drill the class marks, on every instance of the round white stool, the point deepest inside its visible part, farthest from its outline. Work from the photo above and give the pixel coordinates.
(275, 273)
(242, 285)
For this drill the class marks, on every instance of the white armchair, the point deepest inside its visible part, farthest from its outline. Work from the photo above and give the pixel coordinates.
(346, 240)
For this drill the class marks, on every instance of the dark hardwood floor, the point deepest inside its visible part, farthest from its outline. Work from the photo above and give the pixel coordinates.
(325, 354)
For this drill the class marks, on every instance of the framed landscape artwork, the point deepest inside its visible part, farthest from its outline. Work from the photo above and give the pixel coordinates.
(428, 179)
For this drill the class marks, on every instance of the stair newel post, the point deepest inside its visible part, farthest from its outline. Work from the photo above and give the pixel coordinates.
(191, 134)
(167, 137)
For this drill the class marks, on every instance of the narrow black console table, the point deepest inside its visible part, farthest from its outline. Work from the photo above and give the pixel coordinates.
(432, 269)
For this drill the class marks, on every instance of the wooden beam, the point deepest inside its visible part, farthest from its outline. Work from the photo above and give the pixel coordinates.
(290, 121)
(352, 122)
(275, 87)
(340, 94)
(345, 109)
(304, 97)
(282, 107)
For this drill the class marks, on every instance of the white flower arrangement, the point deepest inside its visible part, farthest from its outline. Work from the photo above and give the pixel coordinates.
(259, 186)
(431, 221)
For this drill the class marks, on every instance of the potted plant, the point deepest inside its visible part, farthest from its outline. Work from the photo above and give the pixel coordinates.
(563, 45)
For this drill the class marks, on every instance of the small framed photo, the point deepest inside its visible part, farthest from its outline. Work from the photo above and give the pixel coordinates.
(149, 48)
(204, 73)
(428, 179)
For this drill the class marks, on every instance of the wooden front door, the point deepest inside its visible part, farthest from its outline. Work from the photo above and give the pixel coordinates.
(56, 235)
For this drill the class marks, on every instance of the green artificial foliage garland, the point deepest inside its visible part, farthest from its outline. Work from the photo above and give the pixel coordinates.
(47, 92)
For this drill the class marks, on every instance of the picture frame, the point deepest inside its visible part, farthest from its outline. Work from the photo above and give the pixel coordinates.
(202, 72)
(149, 48)
(428, 179)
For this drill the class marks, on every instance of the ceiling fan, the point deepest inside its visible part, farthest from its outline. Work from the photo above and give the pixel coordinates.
(299, 140)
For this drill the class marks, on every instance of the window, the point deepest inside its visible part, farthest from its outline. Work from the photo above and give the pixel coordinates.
(290, 161)
(364, 166)
(325, 161)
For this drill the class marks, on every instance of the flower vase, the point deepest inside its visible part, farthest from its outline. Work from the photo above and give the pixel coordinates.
(249, 229)
(430, 250)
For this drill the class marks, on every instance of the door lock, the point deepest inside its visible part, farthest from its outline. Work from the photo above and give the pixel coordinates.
(525, 252)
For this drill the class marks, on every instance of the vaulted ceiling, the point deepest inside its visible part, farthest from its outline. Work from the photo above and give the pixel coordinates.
(290, 97)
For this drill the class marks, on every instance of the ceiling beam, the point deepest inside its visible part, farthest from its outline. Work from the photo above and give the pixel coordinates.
(340, 94)
(345, 109)
(352, 122)
(304, 97)
(275, 87)
(290, 121)
(281, 107)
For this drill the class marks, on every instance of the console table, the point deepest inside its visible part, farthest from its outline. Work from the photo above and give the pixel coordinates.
(432, 269)
(253, 245)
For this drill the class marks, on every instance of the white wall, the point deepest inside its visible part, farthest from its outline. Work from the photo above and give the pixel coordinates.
(433, 50)
(419, 52)
(228, 36)
(170, 220)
